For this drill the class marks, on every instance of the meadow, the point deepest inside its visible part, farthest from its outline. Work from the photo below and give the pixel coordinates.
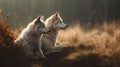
(98, 47)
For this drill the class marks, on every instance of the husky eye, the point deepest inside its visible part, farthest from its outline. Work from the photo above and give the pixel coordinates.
(38, 27)
(60, 22)
(56, 23)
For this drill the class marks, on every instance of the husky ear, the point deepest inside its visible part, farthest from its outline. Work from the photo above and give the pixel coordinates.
(37, 20)
(42, 19)
(56, 14)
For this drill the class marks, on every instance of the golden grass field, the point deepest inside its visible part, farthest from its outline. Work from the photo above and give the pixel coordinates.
(99, 47)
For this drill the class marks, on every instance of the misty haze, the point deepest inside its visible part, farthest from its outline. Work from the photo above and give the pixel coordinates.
(77, 33)
(19, 12)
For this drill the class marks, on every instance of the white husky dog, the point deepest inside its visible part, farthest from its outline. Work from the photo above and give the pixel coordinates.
(30, 37)
(48, 41)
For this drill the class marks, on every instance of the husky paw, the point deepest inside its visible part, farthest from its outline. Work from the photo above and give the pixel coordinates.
(59, 47)
(39, 55)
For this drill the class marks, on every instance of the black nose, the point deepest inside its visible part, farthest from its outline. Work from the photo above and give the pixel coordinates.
(49, 30)
(66, 26)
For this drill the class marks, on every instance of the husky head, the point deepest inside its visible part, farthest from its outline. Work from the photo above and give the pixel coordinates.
(55, 22)
(40, 26)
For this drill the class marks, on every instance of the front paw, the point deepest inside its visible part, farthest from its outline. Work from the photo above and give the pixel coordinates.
(60, 46)
(55, 49)
(39, 55)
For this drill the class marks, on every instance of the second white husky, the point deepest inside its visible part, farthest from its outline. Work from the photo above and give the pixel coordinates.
(48, 41)
(30, 38)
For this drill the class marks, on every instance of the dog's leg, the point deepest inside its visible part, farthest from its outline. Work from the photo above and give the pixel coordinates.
(54, 49)
(29, 51)
(60, 46)
(40, 52)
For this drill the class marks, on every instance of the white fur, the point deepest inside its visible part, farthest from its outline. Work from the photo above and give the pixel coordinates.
(48, 41)
(30, 36)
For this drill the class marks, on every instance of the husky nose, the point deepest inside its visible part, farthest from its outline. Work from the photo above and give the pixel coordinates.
(66, 26)
(49, 30)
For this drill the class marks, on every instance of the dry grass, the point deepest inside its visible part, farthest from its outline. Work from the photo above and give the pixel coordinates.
(105, 40)
(11, 55)
(99, 47)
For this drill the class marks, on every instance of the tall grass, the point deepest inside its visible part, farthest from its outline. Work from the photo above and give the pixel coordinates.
(104, 39)
(11, 55)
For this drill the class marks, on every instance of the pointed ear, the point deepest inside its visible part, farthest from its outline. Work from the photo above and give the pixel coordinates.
(56, 14)
(37, 20)
(42, 18)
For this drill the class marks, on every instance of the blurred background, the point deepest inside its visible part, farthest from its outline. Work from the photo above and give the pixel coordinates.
(20, 12)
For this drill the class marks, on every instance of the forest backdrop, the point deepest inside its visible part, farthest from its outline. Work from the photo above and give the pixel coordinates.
(20, 12)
